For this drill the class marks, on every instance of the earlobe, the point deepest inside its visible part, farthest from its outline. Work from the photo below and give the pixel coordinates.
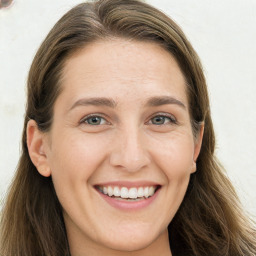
(36, 144)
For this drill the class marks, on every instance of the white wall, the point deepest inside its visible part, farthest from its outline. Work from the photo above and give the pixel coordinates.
(222, 32)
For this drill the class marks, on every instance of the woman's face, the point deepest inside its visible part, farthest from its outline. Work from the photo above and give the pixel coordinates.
(121, 126)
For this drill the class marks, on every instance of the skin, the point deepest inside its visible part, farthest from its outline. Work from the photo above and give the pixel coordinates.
(127, 145)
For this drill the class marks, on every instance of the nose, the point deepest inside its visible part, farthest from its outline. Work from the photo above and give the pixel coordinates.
(129, 152)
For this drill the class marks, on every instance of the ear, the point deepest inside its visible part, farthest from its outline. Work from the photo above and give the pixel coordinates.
(37, 144)
(197, 147)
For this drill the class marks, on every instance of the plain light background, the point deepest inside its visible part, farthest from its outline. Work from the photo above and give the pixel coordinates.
(222, 32)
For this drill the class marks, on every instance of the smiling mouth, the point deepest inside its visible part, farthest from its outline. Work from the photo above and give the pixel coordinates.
(128, 194)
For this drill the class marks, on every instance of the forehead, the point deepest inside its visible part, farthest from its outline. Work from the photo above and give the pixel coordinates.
(105, 68)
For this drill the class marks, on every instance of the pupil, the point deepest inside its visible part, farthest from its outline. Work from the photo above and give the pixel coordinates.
(158, 120)
(95, 120)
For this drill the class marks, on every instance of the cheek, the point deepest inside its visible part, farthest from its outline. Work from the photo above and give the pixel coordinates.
(174, 156)
(76, 156)
(74, 160)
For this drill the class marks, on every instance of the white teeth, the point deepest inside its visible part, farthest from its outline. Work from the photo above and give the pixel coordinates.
(110, 191)
(124, 192)
(116, 191)
(105, 190)
(146, 192)
(132, 193)
(140, 192)
(151, 191)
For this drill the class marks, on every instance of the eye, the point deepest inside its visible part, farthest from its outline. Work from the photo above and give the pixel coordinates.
(162, 120)
(94, 120)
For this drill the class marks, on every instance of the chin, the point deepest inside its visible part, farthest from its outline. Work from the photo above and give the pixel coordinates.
(130, 242)
(128, 246)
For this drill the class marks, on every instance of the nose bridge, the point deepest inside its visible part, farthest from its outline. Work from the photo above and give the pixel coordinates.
(130, 152)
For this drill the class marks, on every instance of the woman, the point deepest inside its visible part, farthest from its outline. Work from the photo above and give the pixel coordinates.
(118, 145)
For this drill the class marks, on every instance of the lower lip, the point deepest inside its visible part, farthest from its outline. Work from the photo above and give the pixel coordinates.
(129, 205)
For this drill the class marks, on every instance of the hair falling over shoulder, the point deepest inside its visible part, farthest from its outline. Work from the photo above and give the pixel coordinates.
(210, 220)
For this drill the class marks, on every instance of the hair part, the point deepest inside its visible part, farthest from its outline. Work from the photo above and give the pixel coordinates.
(210, 220)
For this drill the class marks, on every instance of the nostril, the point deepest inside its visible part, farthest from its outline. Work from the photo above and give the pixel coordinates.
(5, 3)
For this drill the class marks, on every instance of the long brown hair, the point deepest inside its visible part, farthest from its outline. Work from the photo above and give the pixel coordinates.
(210, 220)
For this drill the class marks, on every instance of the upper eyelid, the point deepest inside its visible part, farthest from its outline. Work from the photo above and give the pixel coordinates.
(171, 116)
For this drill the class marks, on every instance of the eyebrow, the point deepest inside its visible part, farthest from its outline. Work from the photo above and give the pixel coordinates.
(97, 101)
(108, 102)
(164, 100)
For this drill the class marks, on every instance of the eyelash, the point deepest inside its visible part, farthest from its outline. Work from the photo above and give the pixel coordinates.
(171, 118)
